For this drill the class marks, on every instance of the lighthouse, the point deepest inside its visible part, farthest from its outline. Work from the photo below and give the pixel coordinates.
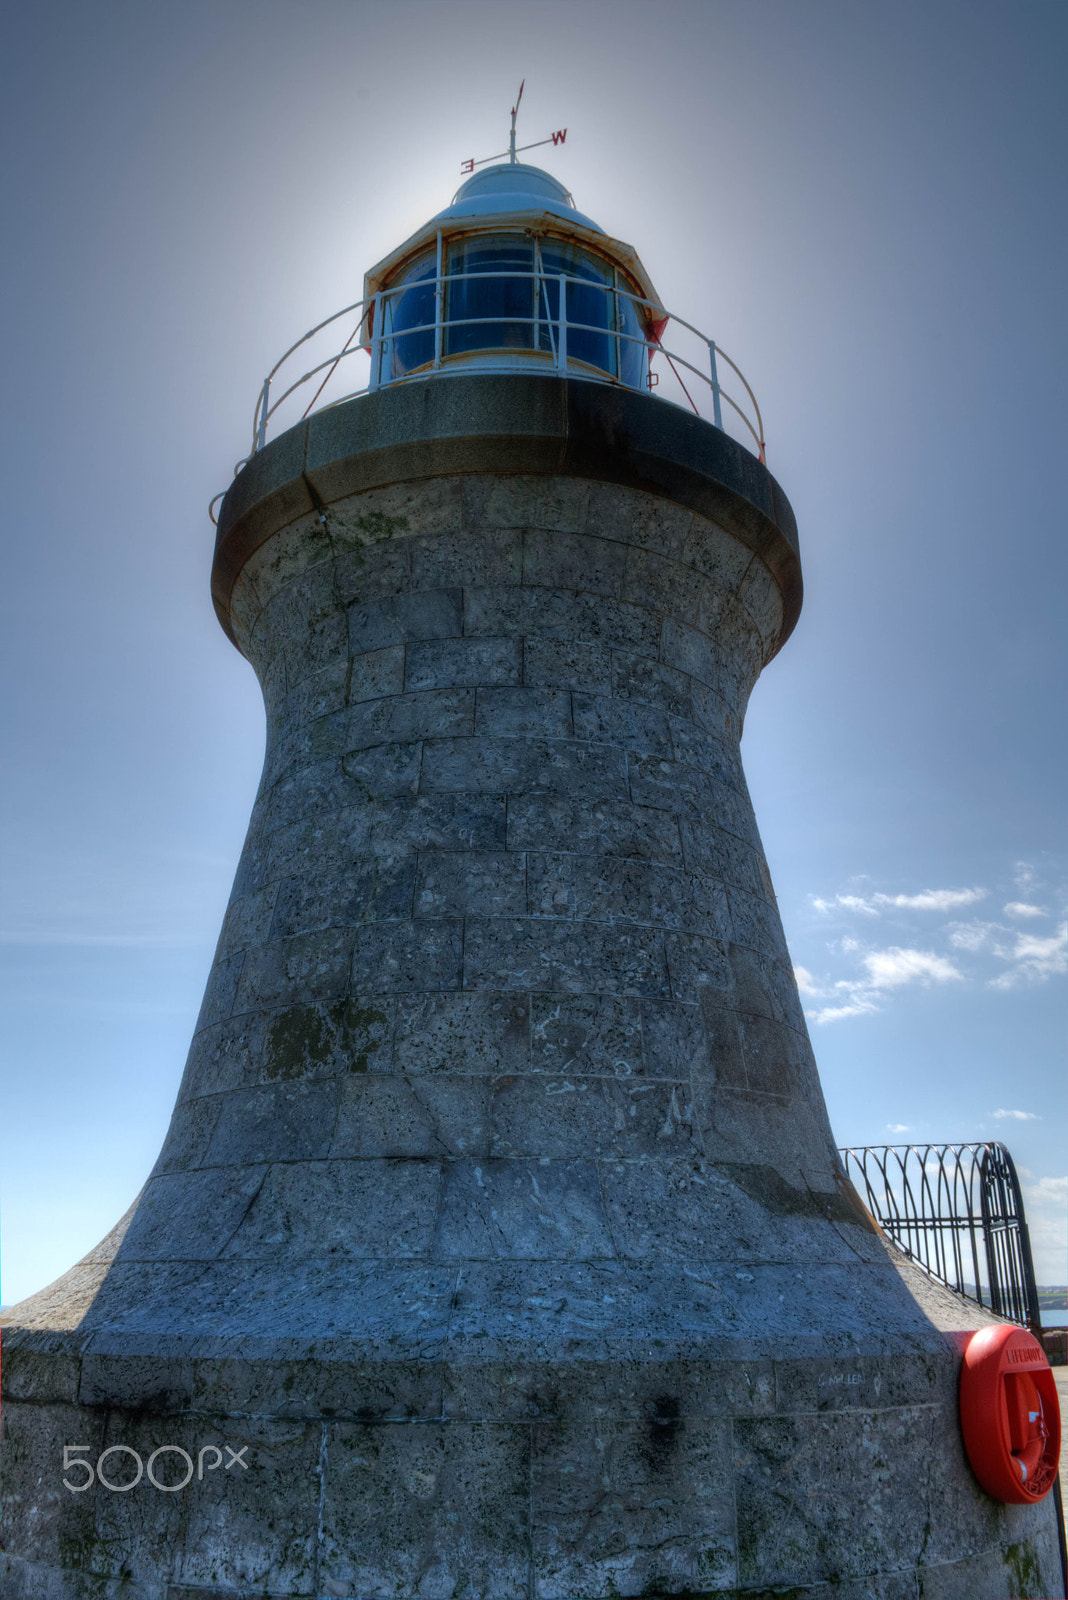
(499, 1248)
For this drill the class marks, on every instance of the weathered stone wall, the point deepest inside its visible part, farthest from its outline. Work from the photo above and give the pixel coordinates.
(502, 927)
(499, 1215)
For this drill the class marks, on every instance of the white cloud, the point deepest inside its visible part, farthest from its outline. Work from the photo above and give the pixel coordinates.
(889, 969)
(858, 1006)
(932, 899)
(1035, 959)
(847, 902)
(1043, 956)
(976, 936)
(897, 1127)
(886, 969)
(1001, 954)
(1020, 1116)
(1051, 1191)
(1046, 1206)
(927, 900)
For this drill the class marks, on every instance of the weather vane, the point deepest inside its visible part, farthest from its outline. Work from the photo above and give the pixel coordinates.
(554, 138)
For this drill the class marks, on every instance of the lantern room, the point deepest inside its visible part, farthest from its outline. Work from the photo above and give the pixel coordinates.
(511, 276)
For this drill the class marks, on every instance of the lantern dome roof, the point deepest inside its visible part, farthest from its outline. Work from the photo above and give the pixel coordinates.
(513, 187)
(511, 195)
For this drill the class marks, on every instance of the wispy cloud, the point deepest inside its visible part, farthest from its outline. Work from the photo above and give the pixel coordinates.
(885, 970)
(845, 902)
(932, 899)
(889, 969)
(1020, 1116)
(898, 1127)
(927, 900)
(858, 1005)
(1000, 954)
(1034, 959)
(977, 936)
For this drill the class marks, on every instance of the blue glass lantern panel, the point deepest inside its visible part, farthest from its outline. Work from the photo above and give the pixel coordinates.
(490, 296)
(591, 308)
(412, 308)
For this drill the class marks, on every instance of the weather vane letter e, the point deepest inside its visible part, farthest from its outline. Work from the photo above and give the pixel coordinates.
(554, 138)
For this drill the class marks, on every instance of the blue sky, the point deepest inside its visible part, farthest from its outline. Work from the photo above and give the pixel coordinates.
(863, 204)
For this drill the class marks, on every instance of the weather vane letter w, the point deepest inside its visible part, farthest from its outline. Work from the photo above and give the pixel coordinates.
(554, 138)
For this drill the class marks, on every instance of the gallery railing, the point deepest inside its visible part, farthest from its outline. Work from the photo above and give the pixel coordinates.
(552, 335)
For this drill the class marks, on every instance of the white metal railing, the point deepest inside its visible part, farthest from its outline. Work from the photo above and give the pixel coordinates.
(371, 343)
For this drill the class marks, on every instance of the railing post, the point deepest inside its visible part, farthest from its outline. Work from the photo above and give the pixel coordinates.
(261, 426)
(1016, 1269)
(376, 342)
(439, 306)
(561, 343)
(717, 409)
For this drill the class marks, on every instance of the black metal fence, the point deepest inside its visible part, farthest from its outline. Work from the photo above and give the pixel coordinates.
(957, 1212)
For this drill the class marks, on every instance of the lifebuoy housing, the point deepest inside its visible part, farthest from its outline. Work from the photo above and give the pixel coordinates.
(1010, 1415)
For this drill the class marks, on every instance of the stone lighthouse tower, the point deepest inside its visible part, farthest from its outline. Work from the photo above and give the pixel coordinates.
(499, 1249)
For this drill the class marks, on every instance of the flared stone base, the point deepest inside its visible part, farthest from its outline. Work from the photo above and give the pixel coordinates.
(696, 1431)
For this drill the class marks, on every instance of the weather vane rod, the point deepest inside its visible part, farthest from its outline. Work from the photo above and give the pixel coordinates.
(554, 138)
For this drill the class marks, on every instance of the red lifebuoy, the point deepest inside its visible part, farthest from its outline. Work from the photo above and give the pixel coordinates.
(1010, 1415)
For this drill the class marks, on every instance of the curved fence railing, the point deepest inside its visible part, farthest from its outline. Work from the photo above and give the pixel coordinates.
(316, 372)
(957, 1211)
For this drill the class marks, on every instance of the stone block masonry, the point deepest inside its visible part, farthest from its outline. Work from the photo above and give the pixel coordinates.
(499, 1217)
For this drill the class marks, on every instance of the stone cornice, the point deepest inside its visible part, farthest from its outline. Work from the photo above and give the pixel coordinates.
(507, 424)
